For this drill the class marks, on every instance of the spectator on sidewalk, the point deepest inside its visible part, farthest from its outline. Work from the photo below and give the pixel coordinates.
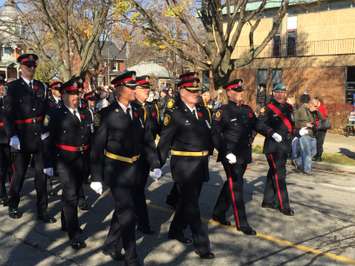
(322, 125)
(305, 145)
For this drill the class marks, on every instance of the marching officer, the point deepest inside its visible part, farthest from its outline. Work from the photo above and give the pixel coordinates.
(151, 121)
(234, 124)
(54, 102)
(276, 123)
(55, 96)
(26, 104)
(117, 153)
(186, 134)
(5, 159)
(70, 134)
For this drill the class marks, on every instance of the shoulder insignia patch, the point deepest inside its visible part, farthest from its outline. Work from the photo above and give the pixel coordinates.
(218, 115)
(46, 120)
(167, 119)
(170, 104)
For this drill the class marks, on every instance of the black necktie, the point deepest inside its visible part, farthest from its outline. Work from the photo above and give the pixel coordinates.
(128, 113)
(194, 114)
(30, 84)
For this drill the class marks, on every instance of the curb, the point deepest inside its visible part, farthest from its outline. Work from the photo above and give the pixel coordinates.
(332, 167)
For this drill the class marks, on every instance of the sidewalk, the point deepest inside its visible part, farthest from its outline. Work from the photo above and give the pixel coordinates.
(334, 144)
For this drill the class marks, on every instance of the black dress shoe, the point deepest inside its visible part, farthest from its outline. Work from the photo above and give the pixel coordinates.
(115, 255)
(77, 244)
(14, 213)
(248, 231)
(181, 238)
(268, 205)
(46, 218)
(146, 230)
(288, 211)
(220, 220)
(206, 256)
(84, 205)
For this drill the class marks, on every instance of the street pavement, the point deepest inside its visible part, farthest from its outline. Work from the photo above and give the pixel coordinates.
(321, 233)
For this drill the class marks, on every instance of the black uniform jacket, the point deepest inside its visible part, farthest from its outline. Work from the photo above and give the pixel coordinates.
(25, 109)
(123, 136)
(182, 131)
(235, 127)
(68, 132)
(269, 123)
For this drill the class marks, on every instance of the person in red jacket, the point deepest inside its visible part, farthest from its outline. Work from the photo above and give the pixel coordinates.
(322, 125)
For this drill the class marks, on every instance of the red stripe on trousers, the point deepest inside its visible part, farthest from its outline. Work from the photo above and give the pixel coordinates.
(277, 181)
(234, 203)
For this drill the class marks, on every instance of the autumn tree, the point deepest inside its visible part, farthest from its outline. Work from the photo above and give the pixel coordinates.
(208, 32)
(65, 33)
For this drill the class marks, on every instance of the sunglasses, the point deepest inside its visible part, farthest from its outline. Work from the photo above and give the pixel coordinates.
(30, 64)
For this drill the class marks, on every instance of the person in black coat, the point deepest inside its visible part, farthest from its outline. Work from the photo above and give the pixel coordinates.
(234, 124)
(26, 105)
(70, 135)
(186, 134)
(5, 158)
(150, 119)
(276, 123)
(120, 145)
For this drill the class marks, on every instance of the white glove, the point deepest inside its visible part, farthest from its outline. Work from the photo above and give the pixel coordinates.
(44, 135)
(97, 187)
(155, 174)
(48, 171)
(231, 158)
(15, 143)
(304, 131)
(277, 137)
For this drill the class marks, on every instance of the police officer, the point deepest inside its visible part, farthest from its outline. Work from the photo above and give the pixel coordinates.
(186, 133)
(234, 124)
(277, 125)
(54, 102)
(151, 121)
(55, 96)
(26, 105)
(118, 146)
(5, 159)
(70, 133)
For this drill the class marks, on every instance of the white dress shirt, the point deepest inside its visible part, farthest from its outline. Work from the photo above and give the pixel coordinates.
(124, 108)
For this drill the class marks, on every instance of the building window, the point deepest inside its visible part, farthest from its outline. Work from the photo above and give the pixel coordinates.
(261, 84)
(291, 43)
(350, 85)
(291, 36)
(276, 48)
(276, 76)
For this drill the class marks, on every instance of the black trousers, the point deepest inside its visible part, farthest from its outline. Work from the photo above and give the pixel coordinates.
(188, 213)
(140, 203)
(173, 195)
(71, 175)
(320, 136)
(275, 188)
(224, 201)
(21, 162)
(123, 223)
(5, 162)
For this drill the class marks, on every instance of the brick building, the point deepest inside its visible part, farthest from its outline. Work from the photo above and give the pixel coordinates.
(314, 51)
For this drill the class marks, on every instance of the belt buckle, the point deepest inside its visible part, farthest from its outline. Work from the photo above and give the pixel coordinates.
(81, 148)
(34, 120)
